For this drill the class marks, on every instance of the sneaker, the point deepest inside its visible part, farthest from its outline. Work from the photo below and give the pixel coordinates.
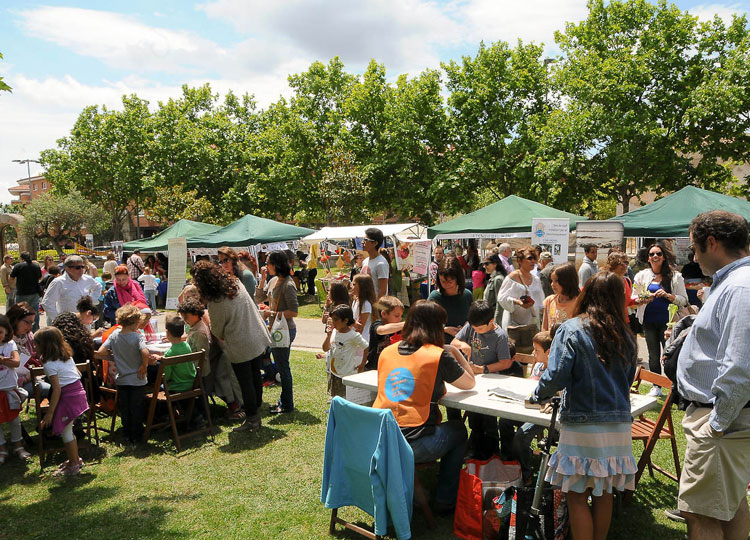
(655, 391)
(251, 423)
(674, 514)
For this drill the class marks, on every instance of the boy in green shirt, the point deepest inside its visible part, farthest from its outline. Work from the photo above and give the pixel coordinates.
(179, 377)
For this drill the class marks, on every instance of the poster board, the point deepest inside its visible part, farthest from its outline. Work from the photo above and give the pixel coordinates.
(177, 270)
(603, 234)
(552, 234)
(422, 252)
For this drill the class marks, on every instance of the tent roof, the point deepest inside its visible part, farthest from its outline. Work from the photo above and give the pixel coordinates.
(358, 231)
(670, 216)
(510, 215)
(248, 231)
(160, 242)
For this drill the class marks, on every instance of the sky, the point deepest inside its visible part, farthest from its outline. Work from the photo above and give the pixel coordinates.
(61, 56)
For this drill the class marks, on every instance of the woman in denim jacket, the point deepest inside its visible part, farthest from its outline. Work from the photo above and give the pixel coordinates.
(593, 360)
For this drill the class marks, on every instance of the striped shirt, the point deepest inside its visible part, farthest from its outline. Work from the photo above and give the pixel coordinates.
(714, 364)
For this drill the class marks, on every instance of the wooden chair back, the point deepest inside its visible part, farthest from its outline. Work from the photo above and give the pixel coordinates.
(160, 393)
(106, 407)
(650, 431)
(42, 406)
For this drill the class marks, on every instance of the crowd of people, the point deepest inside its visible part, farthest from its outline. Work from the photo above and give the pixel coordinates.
(584, 323)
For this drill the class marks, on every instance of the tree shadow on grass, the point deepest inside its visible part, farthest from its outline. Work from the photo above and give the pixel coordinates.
(251, 440)
(296, 417)
(77, 510)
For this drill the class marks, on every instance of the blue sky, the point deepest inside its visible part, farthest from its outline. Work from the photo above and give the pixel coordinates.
(60, 56)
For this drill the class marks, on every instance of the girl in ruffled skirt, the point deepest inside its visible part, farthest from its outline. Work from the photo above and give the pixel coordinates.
(593, 360)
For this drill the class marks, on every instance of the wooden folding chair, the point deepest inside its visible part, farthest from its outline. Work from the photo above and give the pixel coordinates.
(161, 393)
(650, 431)
(42, 406)
(106, 407)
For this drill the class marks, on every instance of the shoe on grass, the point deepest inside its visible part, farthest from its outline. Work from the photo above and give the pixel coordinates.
(674, 514)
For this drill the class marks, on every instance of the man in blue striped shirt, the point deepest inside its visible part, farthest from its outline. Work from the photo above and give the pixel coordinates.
(713, 373)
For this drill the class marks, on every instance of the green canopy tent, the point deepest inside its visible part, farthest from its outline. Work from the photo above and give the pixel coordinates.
(510, 216)
(248, 231)
(670, 216)
(160, 242)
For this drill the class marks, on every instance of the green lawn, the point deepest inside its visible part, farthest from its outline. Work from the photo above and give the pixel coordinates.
(262, 485)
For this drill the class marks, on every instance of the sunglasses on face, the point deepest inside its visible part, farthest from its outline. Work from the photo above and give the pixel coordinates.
(655, 254)
(529, 258)
(77, 267)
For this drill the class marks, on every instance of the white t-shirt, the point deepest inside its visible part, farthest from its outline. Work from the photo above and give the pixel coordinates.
(66, 371)
(342, 357)
(366, 308)
(8, 376)
(149, 281)
(377, 268)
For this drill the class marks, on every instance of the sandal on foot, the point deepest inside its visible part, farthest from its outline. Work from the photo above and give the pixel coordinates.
(70, 470)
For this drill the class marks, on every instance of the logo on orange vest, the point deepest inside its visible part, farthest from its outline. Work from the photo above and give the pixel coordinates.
(399, 384)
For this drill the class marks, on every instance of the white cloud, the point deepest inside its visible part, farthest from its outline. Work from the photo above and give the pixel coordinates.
(706, 12)
(403, 34)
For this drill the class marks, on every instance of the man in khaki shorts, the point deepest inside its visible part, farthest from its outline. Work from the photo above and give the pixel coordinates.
(713, 372)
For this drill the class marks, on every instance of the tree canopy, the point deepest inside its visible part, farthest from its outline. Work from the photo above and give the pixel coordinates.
(643, 97)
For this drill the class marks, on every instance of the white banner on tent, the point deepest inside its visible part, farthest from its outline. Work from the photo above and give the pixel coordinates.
(421, 252)
(274, 246)
(455, 236)
(177, 270)
(552, 235)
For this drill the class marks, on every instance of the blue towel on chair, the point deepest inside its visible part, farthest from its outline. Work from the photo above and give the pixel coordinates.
(368, 464)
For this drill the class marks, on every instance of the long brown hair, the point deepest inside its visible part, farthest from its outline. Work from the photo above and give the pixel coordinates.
(366, 289)
(602, 302)
(668, 261)
(51, 345)
(567, 278)
(424, 324)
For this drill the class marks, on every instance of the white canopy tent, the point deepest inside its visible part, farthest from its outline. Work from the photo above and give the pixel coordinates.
(402, 231)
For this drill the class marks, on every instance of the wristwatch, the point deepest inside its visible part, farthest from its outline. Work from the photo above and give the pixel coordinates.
(486, 370)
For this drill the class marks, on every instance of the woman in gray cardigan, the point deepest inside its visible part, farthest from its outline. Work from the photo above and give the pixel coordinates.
(235, 319)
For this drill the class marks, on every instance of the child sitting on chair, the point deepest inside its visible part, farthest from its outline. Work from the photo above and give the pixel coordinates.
(485, 345)
(341, 343)
(131, 357)
(179, 377)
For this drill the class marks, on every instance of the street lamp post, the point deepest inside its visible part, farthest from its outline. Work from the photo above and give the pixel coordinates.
(28, 172)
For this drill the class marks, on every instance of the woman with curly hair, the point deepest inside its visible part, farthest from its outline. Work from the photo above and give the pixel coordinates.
(235, 319)
(231, 264)
(76, 335)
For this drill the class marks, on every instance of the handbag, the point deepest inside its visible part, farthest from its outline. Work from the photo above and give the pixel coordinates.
(479, 484)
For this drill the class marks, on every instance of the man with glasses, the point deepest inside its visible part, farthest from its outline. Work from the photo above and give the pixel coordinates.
(63, 293)
(375, 264)
(589, 266)
(713, 374)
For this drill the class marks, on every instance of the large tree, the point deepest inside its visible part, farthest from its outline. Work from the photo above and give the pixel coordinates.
(639, 82)
(60, 218)
(105, 158)
(496, 100)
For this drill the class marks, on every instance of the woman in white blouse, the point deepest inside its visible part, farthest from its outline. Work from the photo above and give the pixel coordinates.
(521, 295)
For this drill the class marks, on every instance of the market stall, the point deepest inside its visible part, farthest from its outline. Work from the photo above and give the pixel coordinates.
(184, 228)
(247, 231)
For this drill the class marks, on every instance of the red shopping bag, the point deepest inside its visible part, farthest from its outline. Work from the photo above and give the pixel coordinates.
(480, 482)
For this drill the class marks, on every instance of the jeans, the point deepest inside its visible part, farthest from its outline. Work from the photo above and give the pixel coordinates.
(522, 446)
(130, 407)
(10, 299)
(33, 301)
(281, 359)
(44, 388)
(151, 298)
(447, 443)
(654, 334)
(483, 441)
(251, 384)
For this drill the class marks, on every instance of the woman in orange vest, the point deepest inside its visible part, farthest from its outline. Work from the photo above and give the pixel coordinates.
(411, 379)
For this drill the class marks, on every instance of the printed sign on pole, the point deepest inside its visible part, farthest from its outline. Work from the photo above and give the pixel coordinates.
(177, 270)
(552, 234)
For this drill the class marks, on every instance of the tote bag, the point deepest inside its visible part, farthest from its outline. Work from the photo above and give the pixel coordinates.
(280, 332)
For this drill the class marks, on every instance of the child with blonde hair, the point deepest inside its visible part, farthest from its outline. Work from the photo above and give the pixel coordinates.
(67, 397)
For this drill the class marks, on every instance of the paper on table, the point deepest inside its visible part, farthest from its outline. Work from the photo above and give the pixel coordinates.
(508, 394)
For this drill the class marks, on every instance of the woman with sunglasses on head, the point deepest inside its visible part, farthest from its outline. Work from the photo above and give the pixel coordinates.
(521, 295)
(654, 288)
(230, 262)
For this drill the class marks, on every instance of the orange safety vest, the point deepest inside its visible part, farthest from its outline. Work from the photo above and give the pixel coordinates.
(405, 383)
